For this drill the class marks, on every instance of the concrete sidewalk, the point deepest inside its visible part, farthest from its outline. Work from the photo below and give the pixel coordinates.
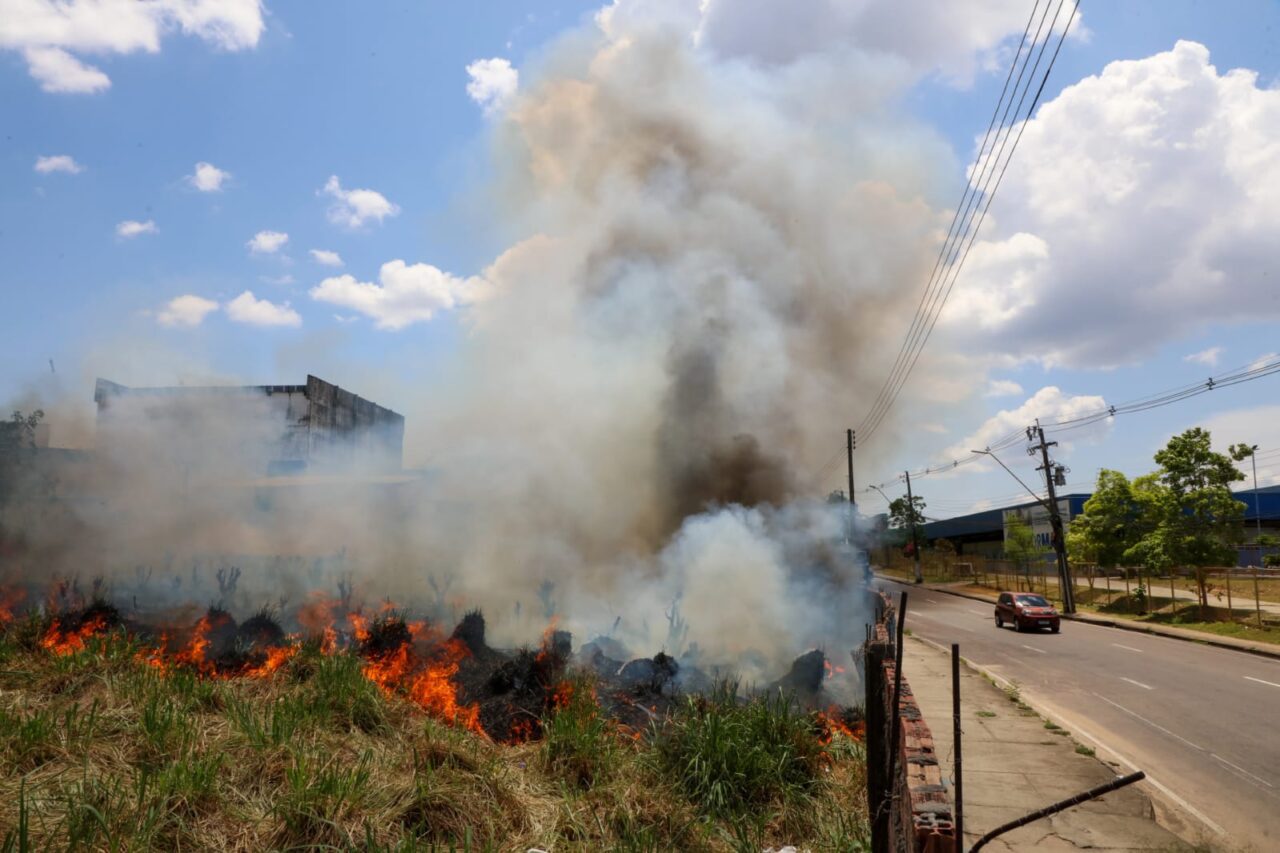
(1013, 765)
(962, 589)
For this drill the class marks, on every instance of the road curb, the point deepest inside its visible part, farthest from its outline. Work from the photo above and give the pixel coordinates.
(1101, 747)
(1200, 637)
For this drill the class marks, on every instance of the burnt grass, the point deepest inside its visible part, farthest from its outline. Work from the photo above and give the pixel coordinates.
(105, 752)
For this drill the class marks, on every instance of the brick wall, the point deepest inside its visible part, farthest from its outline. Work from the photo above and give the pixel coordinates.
(911, 812)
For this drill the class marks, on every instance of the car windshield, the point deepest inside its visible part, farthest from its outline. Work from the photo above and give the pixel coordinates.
(1033, 600)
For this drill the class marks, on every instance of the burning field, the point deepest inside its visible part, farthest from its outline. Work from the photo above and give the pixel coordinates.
(337, 728)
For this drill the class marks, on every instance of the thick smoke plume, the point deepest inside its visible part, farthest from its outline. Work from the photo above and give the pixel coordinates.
(709, 265)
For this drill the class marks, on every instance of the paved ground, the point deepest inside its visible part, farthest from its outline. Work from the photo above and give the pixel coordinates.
(1014, 765)
(1201, 721)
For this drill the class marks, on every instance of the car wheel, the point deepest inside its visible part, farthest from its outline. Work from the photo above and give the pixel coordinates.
(1017, 625)
(999, 621)
(1054, 629)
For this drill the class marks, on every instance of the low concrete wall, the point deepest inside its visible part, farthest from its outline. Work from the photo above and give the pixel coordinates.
(912, 811)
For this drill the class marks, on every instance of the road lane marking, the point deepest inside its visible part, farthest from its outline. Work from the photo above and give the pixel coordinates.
(1241, 769)
(984, 614)
(1130, 648)
(1034, 649)
(1139, 683)
(1073, 725)
(1260, 681)
(1138, 716)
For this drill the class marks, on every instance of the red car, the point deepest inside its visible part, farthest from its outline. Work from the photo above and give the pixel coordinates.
(1026, 611)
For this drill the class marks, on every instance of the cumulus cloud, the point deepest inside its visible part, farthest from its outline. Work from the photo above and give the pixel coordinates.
(1049, 404)
(1258, 425)
(956, 40)
(1002, 388)
(49, 33)
(493, 83)
(1146, 200)
(132, 228)
(1208, 357)
(58, 163)
(353, 208)
(405, 294)
(1264, 359)
(59, 71)
(186, 311)
(267, 242)
(326, 257)
(208, 178)
(248, 309)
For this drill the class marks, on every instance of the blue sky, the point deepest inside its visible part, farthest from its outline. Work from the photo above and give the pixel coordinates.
(376, 95)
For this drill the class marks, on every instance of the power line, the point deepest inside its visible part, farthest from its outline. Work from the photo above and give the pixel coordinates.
(958, 251)
(1237, 376)
(969, 187)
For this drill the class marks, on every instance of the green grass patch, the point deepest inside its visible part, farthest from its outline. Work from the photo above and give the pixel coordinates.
(1084, 750)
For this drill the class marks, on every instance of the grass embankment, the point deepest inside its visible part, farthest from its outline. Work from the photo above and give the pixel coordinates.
(103, 752)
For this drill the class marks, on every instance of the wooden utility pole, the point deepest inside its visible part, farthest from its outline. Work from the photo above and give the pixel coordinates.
(1055, 519)
(915, 536)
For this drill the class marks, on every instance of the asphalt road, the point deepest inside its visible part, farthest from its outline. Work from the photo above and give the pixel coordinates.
(1203, 722)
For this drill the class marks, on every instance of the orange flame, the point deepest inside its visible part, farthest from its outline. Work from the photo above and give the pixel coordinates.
(67, 642)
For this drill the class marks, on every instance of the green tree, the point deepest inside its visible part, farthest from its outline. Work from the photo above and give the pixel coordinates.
(1187, 514)
(1020, 544)
(1108, 527)
(17, 439)
(906, 517)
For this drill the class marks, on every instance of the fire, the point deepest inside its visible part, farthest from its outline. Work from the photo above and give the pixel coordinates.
(830, 724)
(9, 599)
(832, 671)
(62, 642)
(561, 696)
(276, 658)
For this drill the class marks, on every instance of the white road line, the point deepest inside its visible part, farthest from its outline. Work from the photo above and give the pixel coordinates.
(984, 614)
(1074, 726)
(1242, 770)
(1157, 726)
(1130, 648)
(1260, 681)
(1034, 649)
(1139, 683)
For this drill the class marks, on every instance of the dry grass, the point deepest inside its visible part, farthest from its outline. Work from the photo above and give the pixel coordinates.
(102, 752)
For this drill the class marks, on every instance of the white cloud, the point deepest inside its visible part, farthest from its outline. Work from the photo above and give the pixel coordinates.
(1264, 359)
(955, 39)
(252, 311)
(279, 280)
(1161, 152)
(186, 311)
(132, 228)
(1258, 425)
(1002, 388)
(208, 178)
(58, 163)
(405, 295)
(1048, 404)
(493, 83)
(326, 257)
(267, 242)
(49, 32)
(1208, 357)
(59, 71)
(353, 208)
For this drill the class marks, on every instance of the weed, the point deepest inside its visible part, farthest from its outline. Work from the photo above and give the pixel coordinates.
(731, 757)
(1052, 726)
(342, 693)
(274, 727)
(318, 795)
(579, 743)
(986, 713)
(1084, 750)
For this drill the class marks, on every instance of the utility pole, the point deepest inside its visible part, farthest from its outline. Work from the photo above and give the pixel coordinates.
(1257, 505)
(915, 538)
(851, 443)
(1055, 519)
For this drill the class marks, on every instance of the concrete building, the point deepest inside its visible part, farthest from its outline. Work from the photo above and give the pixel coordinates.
(249, 430)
